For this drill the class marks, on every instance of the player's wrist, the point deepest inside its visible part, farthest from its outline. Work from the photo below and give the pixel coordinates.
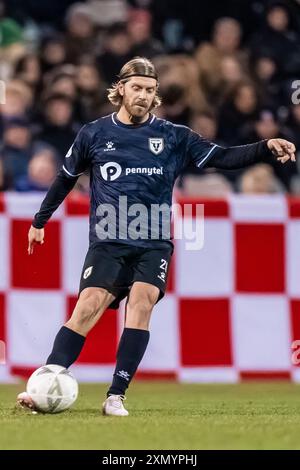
(267, 145)
(36, 224)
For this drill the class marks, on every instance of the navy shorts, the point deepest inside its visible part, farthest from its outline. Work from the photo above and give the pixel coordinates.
(116, 266)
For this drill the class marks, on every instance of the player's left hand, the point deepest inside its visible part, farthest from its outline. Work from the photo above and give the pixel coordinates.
(282, 149)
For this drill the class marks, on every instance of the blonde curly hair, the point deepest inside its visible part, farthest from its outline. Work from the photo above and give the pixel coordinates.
(139, 66)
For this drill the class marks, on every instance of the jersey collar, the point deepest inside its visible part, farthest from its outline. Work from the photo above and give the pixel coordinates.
(118, 123)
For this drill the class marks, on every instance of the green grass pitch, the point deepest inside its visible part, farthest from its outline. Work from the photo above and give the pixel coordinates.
(163, 415)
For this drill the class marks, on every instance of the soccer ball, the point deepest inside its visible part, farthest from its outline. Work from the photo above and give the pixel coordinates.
(52, 388)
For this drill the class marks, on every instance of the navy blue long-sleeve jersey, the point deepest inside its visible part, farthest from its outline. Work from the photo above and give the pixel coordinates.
(136, 164)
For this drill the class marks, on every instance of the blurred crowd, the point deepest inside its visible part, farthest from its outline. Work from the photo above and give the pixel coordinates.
(229, 70)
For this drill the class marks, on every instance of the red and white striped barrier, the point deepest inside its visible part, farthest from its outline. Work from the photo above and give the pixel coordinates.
(232, 309)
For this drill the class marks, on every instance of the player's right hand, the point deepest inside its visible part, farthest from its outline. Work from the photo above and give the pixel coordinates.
(35, 235)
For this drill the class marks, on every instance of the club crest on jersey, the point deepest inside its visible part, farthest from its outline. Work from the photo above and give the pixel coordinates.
(156, 145)
(87, 272)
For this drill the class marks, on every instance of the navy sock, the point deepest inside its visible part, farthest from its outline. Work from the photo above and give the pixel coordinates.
(66, 348)
(132, 347)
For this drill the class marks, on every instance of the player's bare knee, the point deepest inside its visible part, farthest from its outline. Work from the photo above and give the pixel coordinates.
(88, 308)
(139, 312)
(94, 292)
